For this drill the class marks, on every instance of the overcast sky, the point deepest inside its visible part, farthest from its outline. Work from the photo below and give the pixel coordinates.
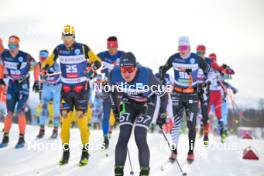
(233, 29)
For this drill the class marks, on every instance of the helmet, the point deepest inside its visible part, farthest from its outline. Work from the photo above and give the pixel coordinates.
(68, 30)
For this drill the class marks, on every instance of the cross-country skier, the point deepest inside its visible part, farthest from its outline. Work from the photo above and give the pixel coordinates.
(110, 58)
(226, 93)
(15, 65)
(203, 94)
(215, 97)
(184, 96)
(51, 91)
(78, 64)
(131, 82)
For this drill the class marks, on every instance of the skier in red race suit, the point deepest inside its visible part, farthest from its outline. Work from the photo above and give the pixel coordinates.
(215, 96)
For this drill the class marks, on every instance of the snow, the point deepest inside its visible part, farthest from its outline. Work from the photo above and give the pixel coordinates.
(40, 157)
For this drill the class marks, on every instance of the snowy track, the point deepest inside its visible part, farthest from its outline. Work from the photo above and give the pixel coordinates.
(40, 157)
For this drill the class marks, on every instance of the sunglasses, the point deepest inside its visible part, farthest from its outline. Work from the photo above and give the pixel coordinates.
(11, 46)
(128, 69)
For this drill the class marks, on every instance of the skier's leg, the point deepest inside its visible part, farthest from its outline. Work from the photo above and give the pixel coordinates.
(143, 122)
(218, 113)
(23, 97)
(81, 104)
(178, 117)
(45, 97)
(225, 116)
(56, 96)
(191, 112)
(66, 114)
(204, 108)
(12, 98)
(126, 120)
(105, 121)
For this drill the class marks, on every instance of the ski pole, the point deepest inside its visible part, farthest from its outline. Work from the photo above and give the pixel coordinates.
(130, 163)
(165, 137)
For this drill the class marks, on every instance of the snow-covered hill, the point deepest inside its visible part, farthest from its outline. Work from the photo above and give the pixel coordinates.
(40, 157)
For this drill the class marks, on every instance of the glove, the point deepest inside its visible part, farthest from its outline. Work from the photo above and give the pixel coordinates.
(36, 86)
(2, 82)
(224, 66)
(116, 114)
(162, 120)
(91, 73)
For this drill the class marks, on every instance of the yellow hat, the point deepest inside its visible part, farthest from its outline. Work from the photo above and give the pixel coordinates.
(68, 30)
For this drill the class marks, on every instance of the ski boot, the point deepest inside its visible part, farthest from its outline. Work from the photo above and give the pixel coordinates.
(105, 143)
(21, 142)
(41, 133)
(190, 156)
(119, 170)
(173, 156)
(65, 155)
(85, 156)
(206, 132)
(221, 129)
(54, 134)
(152, 128)
(206, 140)
(223, 137)
(5, 141)
(144, 171)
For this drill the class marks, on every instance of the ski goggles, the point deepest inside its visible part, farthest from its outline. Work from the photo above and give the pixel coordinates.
(183, 48)
(128, 69)
(12, 46)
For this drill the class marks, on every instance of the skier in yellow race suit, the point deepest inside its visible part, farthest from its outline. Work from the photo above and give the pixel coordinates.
(78, 64)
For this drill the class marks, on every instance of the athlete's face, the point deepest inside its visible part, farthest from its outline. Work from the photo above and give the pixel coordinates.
(200, 53)
(112, 50)
(184, 50)
(128, 73)
(13, 48)
(68, 41)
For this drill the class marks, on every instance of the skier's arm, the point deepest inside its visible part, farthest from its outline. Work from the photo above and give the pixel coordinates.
(234, 90)
(114, 99)
(165, 68)
(94, 60)
(50, 60)
(2, 68)
(35, 66)
(204, 66)
(158, 92)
